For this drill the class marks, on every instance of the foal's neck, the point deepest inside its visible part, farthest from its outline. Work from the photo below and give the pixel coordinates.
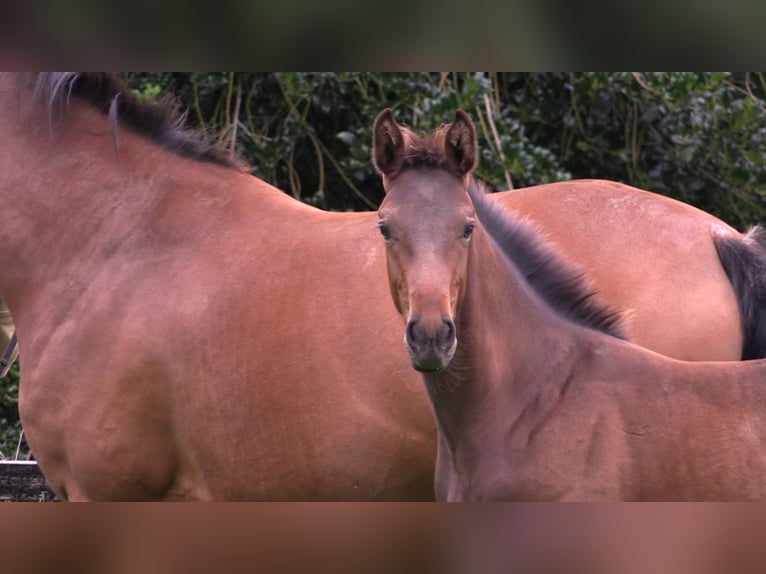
(508, 341)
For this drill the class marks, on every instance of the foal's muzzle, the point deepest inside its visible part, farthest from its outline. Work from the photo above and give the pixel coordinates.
(431, 344)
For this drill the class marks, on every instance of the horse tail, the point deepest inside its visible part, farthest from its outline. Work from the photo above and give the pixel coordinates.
(744, 260)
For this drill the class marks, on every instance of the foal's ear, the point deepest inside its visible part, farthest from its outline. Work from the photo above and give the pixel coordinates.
(460, 144)
(387, 144)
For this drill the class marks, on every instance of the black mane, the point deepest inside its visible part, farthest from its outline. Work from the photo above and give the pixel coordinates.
(158, 121)
(556, 280)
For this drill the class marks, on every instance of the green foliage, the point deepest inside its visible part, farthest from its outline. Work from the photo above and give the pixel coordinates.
(10, 426)
(149, 92)
(699, 137)
(310, 133)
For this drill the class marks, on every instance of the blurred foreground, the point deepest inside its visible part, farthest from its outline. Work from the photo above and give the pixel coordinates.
(382, 538)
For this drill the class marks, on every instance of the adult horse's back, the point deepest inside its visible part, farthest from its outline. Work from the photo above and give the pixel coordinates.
(614, 226)
(183, 325)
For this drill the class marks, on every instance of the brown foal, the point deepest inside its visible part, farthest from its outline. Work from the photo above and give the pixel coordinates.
(536, 395)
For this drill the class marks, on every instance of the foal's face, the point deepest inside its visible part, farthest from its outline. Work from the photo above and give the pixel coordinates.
(426, 221)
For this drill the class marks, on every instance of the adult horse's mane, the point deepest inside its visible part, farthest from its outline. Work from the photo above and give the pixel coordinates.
(158, 121)
(556, 280)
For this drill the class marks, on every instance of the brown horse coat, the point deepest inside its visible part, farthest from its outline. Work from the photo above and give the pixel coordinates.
(535, 395)
(189, 331)
(606, 225)
(185, 326)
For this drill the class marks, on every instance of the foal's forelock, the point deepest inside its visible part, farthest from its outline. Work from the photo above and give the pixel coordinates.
(424, 151)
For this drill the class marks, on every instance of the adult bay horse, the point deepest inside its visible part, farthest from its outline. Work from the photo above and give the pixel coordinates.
(189, 331)
(535, 393)
(183, 326)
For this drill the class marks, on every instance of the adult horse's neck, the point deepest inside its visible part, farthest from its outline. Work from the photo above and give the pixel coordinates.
(74, 192)
(508, 340)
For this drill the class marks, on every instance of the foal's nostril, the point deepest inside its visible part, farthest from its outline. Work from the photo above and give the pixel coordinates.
(410, 333)
(450, 328)
(447, 332)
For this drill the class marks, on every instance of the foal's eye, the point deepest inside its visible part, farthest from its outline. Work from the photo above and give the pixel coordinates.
(468, 230)
(384, 231)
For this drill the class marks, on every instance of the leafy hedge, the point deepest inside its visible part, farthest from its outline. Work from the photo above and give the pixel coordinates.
(10, 427)
(698, 137)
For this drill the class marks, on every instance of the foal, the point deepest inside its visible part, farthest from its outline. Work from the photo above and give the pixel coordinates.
(535, 394)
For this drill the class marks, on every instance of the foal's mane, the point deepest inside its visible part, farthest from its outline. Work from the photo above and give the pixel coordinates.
(556, 280)
(158, 121)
